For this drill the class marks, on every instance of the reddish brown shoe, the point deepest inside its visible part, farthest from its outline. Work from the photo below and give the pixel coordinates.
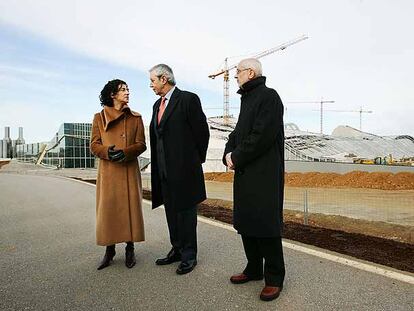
(270, 293)
(243, 278)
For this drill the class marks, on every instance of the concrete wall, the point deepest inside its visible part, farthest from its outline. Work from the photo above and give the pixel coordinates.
(342, 168)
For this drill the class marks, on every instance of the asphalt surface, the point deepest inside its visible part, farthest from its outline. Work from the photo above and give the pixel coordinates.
(48, 260)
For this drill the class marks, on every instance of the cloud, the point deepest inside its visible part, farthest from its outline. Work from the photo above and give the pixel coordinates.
(353, 56)
(22, 74)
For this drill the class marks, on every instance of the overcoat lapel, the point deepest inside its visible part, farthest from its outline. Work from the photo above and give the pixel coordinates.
(172, 103)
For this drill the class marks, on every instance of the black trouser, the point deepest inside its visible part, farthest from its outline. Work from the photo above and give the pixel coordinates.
(269, 249)
(182, 226)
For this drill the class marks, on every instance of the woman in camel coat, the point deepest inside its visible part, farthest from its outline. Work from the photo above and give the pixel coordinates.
(117, 139)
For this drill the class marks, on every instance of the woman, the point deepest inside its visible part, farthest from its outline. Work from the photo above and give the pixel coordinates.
(117, 139)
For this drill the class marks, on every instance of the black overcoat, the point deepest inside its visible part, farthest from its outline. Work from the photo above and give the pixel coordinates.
(257, 146)
(178, 148)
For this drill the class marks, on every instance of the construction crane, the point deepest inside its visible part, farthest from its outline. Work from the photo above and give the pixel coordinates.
(321, 102)
(360, 111)
(227, 68)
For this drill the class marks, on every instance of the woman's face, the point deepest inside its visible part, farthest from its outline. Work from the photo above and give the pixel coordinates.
(122, 96)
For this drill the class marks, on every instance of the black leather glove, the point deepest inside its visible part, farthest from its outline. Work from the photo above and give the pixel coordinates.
(115, 155)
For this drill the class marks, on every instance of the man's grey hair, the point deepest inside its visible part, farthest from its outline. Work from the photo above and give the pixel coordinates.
(253, 64)
(164, 70)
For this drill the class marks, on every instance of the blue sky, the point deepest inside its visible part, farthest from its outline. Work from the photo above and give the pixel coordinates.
(44, 84)
(55, 56)
(51, 85)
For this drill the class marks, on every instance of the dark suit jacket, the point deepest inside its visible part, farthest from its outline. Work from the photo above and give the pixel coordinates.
(178, 148)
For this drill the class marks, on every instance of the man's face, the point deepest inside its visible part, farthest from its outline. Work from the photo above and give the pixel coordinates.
(122, 96)
(157, 83)
(243, 74)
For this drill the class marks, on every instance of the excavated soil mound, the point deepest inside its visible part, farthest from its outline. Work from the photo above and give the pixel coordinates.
(219, 176)
(356, 179)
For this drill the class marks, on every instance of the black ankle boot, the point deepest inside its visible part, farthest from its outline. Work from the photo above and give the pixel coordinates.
(129, 255)
(108, 257)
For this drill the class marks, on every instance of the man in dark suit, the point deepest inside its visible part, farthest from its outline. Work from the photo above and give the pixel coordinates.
(179, 138)
(255, 150)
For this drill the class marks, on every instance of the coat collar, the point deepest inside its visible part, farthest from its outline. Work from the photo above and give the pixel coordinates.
(252, 84)
(110, 114)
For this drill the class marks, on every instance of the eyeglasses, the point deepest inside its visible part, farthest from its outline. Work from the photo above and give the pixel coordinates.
(240, 70)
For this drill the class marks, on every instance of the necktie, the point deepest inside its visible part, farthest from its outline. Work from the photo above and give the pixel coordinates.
(162, 109)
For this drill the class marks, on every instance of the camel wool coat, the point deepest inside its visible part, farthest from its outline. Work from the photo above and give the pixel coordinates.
(118, 185)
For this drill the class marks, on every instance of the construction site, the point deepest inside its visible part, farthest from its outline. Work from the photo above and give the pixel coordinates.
(344, 145)
(350, 191)
(339, 188)
(327, 106)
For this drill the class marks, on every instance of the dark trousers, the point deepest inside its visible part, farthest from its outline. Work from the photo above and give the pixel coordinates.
(182, 226)
(269, 249)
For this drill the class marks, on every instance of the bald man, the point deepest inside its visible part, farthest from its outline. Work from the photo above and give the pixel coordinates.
(255, 151)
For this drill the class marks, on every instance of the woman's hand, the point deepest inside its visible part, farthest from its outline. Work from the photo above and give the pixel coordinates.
(115, 155)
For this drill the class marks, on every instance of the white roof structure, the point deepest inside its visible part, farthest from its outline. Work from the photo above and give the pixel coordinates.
(344, 145)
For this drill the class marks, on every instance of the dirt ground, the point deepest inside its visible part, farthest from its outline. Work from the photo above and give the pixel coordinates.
(3, 163)
(350, 239)
(356, 179)
(352, 180)
(396, 253)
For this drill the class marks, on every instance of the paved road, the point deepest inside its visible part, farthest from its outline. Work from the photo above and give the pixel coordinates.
(48, 261)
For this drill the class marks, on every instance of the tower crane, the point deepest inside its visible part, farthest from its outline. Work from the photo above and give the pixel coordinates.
(321, 102)
(360, 111)
(227, 68)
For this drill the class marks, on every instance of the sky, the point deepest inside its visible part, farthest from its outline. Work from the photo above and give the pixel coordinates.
(56, 56)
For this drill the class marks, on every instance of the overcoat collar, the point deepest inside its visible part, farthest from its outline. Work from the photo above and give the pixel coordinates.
(252, 84)
(110, 114)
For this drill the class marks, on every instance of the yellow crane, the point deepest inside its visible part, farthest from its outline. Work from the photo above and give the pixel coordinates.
(227, 68)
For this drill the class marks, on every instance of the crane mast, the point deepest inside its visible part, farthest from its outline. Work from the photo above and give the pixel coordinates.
(226, 99)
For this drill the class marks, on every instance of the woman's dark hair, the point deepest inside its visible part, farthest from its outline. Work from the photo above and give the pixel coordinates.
(111, 88)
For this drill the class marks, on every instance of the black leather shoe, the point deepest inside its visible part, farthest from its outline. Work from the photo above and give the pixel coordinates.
(108, 257)
(186, 266)
(173, 256)
(130, 260)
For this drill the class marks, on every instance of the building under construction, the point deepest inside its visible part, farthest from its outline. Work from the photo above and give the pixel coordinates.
(344, 145)
(69, 147)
